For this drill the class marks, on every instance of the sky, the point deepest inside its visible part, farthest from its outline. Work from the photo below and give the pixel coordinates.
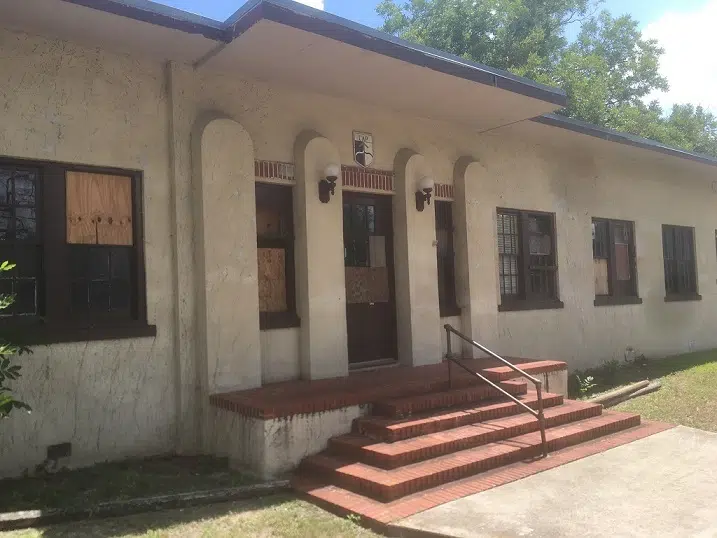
(683, 27)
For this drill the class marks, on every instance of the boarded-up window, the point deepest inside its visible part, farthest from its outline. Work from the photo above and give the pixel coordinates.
(614, 258)
(75, 235)
(275, 256)
(528, 268)
(678, 244)
(100, 239)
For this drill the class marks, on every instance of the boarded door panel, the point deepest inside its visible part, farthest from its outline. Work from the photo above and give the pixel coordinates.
(99, 209)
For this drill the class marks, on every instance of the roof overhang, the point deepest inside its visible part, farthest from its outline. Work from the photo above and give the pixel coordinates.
(618, 137)
(298, 47)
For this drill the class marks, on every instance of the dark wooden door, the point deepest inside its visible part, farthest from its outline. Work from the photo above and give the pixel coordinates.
(368, 260)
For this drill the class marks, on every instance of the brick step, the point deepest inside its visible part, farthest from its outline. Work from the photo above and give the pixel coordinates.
(389, 485)
(503, 373)
(391, 430)
(408, 406)
(409, 451)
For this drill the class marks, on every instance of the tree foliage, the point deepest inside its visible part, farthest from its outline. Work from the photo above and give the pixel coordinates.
(9, 370)
(608, 70)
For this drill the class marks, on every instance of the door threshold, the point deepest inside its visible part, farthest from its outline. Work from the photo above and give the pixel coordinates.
(373, 365)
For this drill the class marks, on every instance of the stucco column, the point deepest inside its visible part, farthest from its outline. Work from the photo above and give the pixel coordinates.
(226, 256)
(180, 80)
(320, 278)
(418, 312)
(476, 256)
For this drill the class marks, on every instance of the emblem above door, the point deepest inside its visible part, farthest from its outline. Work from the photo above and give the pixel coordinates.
(363, 149)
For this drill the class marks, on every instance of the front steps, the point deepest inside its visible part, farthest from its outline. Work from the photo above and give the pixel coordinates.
(416, 445)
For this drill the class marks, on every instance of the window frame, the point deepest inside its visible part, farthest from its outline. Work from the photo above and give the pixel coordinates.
(56, 324)
(528, 300)
(680, 295)
(615, 297)
(269, 321)
(448, 306)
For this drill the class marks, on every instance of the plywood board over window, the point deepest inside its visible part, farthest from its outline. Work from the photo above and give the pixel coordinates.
(99, 209)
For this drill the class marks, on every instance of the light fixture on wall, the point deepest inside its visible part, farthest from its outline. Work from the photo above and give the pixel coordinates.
(327, 185)
(423, 194)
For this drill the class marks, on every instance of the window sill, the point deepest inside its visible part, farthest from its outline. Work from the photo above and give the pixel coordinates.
(678, 297)
(41, 334)
(450, 311)
(531, 305)
(270, 321)
(610, 300)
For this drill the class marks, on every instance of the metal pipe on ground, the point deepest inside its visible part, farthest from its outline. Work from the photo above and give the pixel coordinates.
(618, 393)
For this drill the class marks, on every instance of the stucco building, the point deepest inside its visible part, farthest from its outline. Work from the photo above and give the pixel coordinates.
(199, 208)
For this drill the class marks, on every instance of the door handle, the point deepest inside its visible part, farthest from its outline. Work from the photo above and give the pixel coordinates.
(372, 304)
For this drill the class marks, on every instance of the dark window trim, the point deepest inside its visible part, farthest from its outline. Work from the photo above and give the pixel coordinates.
(270, 321)
(678, 297)
(529, 302)
(616, 298)
(56, 326)
(450, 311)
(681, 295)
(519, 305)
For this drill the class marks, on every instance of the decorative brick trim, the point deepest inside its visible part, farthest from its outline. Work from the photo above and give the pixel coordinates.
(367, 179)
(444, 191)
(274, 170)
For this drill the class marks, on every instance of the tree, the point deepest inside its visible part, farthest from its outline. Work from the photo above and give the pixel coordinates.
(607, 72)
(9, 371)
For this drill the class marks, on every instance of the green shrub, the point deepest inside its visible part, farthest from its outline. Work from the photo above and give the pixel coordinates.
(9, 369)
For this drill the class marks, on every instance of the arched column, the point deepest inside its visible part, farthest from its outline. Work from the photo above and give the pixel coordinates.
(476, 260)
(320, 276)
(415, 261)
(226, 278)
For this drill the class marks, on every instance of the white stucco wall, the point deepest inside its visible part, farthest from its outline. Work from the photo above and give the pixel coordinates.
(110, 399)
(280, 355)
(526, 166)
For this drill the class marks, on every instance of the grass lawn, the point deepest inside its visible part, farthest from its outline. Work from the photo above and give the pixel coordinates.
(118, 481)
(280, 516)
(689, 389)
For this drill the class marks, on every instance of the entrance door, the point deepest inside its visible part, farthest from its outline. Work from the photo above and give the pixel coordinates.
(368, 260)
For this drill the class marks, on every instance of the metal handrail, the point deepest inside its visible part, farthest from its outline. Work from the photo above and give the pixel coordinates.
(539, 414)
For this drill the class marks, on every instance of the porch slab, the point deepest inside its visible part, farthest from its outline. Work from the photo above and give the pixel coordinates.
(661, 486)
(290, 398)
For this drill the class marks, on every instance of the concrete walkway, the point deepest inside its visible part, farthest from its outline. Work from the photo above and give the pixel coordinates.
(661, 486)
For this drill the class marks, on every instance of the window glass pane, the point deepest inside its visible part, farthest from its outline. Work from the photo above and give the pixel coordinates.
(5, 186)
(25, 297)
(100, 295)
(99, 264)
(24, 188)
(600, 239)
(25, 224)
(508, 249)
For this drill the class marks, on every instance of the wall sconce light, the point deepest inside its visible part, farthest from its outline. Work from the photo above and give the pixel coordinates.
(423, 194)
(327, 186)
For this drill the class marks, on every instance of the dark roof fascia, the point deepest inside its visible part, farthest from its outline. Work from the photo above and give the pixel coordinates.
(160, 15)
(618, 137)
(319, 22)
